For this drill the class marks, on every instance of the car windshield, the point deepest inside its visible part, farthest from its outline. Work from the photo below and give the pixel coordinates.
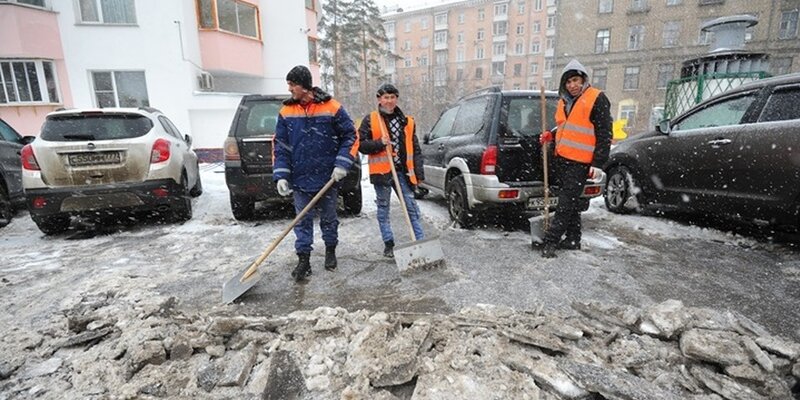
(95, 127)
(259, 119)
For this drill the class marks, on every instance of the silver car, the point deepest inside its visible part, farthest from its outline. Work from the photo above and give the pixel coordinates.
(96, 162)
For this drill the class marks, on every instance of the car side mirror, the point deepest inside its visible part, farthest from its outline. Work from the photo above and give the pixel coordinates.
(426, 138)
(188, 139)
(663, 127)
(27, 139)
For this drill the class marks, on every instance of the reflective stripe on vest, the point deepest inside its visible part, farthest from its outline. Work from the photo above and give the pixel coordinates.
(379, 162)
(575, 139)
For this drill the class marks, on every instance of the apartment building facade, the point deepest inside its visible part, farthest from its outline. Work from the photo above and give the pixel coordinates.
(443, 52)
(633, 48)
(192, 59)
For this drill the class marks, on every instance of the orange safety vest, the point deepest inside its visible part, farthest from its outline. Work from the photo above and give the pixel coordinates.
(575, 139)
(379, 162)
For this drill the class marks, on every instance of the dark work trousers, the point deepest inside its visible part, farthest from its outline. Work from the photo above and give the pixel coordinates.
(570, 176)
(328, 222)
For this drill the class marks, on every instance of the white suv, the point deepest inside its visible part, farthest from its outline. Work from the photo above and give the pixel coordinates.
(96, 162)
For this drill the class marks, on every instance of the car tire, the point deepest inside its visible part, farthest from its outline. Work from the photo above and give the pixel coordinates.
(458, 204)
(243, 208)
(6, 208)
(352, 201)
(53, 224)
(183, 212)
(620, 186)
(197, 189)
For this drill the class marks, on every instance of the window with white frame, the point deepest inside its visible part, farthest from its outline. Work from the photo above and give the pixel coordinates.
(519, 47)
(407, 61)
(534, 68)
(36, 3)
(536, 47)
(551, 22)
(230, 16)
(479, 53)
(28, 81)
(635, 37)
(423, 23)
(602, 41)
(628, 112)
(120, 89)
(499, 68)
(460, 54)
(441, 19)
(520, 29)
(481, 34)
(517, 69)
(478, 72)
(407, 26)
(500, 9)
(440, 37)
(424, 42)
(422, 61)
(460, 74)
(550, 43)
(312, 51)
(537, 5)
(521, 8)
(390, 46)
(406, 45)
(499, 49)
(665, 72)
(461, 18)
(389, 28)
(108, 11)
(441, 57)
(672, 32)
(631, 78)
(674, 2)
(500, 28)
(788, 26)
(481, 14)
(548, 64)
(605, 6)
(537, 26)
(599, 78)
(460, 37)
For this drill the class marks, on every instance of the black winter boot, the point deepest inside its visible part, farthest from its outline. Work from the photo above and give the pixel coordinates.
(569, 244)
(388, 249)
(330, 258)
(303, 268)
(549, 250)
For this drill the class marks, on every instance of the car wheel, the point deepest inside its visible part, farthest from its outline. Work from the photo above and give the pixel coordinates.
(197, 189)
(620, 187)
(351, 201)
(457, 204)
(6, 208)
(52, 225)
(183, 212)
(243, 208)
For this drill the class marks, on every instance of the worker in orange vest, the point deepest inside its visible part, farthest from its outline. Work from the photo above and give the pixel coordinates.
(583, 140)
(399, 145)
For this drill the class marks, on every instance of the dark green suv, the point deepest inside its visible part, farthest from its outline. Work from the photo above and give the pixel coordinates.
(248, 161)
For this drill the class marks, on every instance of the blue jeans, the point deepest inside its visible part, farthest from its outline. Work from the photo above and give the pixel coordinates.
(383, 197)
(328, 222)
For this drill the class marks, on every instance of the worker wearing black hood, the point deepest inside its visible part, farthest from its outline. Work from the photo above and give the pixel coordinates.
(583, 141)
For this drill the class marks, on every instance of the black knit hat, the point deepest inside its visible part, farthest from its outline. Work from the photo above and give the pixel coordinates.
(300, 75)
(571, 73)
(388, 88)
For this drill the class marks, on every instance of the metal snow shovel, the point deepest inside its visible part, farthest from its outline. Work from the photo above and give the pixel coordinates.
(246, 279)
(425, 253)
(540, 223)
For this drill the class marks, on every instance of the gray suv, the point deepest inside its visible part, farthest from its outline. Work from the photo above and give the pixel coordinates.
(11, 194)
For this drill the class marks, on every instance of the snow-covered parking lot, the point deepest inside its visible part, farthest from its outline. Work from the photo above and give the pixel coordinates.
(626, 260)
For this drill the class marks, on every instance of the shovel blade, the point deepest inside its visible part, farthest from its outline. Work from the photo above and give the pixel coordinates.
(425, 253)
(235, 287)
(538, 228)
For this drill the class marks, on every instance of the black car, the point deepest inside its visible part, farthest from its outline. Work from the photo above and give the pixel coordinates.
(11, 194)
(484, 155)
(736, 155)
(248, 161)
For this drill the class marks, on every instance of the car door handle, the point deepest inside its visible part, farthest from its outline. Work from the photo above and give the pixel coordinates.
(719, 142)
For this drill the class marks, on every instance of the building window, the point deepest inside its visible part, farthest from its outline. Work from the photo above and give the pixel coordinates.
(230, 16)
(520, 29)
(460, 55)
(602, 41)
(479, 73)
(28, 81)
(461, 18)
(519, 48)
(389, 28)
(664, 75)
(423, 23)
(628, 112)
(500, 10)
(551, 22)
(440, 37)
(481, 14)
(407, 45)
(407, 26)
(674, 2)
(107, 11)
(534, 68)
(424, 42)
(631, 79)
(422, 61)
(120, 89)
(460, 74)
(37, 3)
(672, 32)
(537, 5)
(536, 47)
(780, 66)
(599, 78)
(788, 27)
(499, 49)
(517, 69)
(639, 5)
(312, 51)
(605, 6)
(635, 37)
(550, 43)
(310, 4)
(537, 26)
(499, 68)
(441, 57)
(480, 34)
(407, 62)
(521, 8)
(390, 46)
(548, 64)
(479, 53)
(500, 28)
(441, 19)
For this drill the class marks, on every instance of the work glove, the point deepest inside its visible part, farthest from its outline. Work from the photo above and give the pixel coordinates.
(545, 137)
(596, 173)
(338, 174)
(283, 187)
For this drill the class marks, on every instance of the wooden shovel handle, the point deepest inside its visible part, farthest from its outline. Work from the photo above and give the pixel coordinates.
(250, 271)
(542, 100)
(398, 188)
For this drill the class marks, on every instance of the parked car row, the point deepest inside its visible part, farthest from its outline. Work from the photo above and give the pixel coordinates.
(736, 155)
(11, 194)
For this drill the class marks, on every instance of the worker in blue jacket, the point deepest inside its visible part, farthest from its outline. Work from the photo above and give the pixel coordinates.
(315, 141)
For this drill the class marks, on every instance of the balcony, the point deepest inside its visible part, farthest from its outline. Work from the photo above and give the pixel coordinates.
(230, 53)
(28, 31)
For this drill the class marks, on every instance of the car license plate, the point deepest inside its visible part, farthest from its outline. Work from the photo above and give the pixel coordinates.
(538, 202)
(97, 158)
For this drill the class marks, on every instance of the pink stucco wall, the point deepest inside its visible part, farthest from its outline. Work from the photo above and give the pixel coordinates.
(31, 33)
(311, 23)
(223, 51)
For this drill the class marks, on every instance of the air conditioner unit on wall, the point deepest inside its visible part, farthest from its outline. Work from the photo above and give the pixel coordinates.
(205, 81)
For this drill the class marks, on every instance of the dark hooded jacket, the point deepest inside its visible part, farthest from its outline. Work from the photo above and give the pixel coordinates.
(600, 116)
